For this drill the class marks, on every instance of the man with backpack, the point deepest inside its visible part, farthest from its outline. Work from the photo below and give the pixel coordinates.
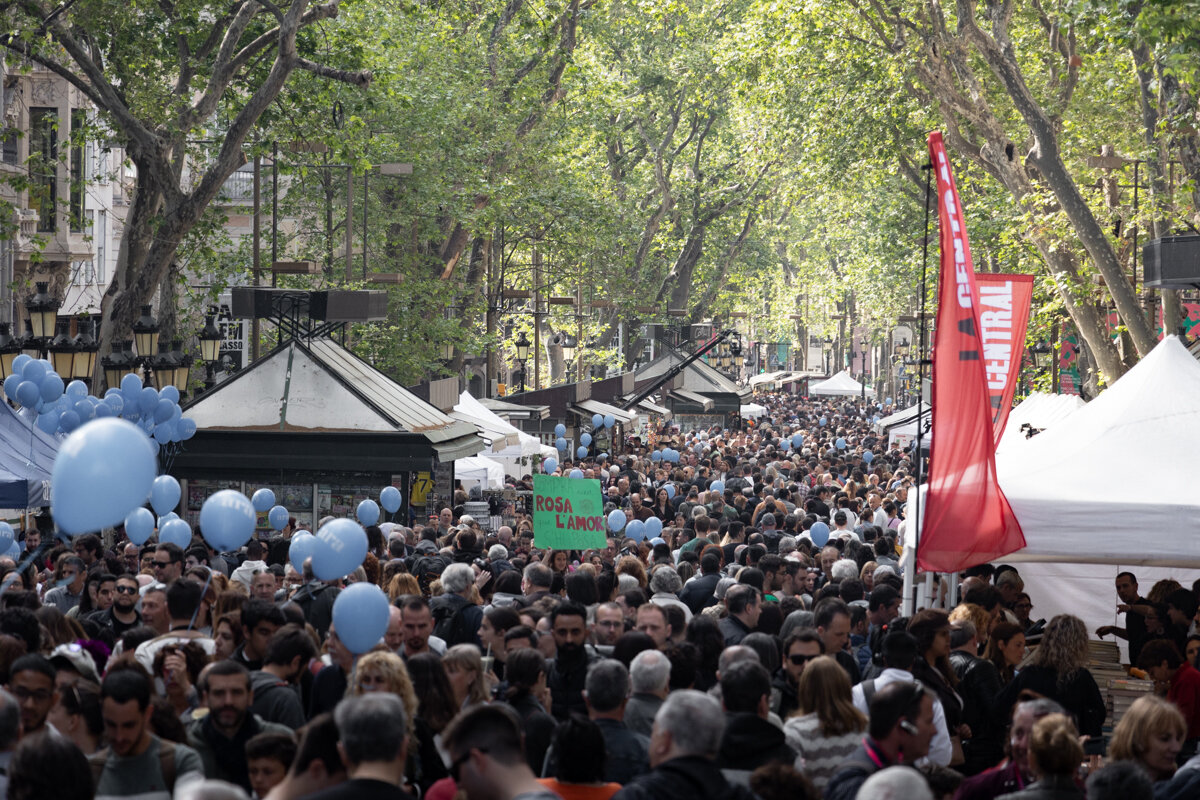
(315, 598)
(455, 618)
(137, 763)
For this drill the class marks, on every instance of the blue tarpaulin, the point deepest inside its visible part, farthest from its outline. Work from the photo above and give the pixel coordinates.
(26, 460)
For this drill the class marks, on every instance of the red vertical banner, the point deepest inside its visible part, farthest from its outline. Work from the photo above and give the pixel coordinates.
(1004, 302)
(967, 519)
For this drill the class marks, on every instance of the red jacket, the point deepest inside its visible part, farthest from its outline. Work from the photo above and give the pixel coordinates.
(1185, 694)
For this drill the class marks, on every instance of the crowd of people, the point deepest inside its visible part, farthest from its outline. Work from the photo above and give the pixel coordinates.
(739, 654)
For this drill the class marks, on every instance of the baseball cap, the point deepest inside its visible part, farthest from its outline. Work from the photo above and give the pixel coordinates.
(74, 657)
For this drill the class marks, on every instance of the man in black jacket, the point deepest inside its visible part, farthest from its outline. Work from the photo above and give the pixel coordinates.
(750, 740)
(567, 673)
(683, 748)
(698, 593)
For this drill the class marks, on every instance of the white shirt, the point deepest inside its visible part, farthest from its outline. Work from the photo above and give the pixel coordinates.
(939, 747)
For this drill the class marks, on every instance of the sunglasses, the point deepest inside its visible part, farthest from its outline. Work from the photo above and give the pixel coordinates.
(800, 660)
(126, 590)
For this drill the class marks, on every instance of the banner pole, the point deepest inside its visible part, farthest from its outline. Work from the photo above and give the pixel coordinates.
(909, 599)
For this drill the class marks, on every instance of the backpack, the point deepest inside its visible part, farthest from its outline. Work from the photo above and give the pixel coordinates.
(166, 763)
(450, 623)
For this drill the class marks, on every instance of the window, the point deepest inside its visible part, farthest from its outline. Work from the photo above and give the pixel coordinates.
(101, 240)
(9, 136)
(78, 124)
(43, 166)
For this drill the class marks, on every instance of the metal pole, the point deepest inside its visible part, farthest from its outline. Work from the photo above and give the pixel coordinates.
(349, 223)
(257, 249)
(274, 208)
(366, 175)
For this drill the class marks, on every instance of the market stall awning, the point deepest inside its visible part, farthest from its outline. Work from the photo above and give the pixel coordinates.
(511, 411)
(841, 385)
(655, 408)
(587, 408)
(686, 396)
(496, 432)
(317, 386)
(766, 378)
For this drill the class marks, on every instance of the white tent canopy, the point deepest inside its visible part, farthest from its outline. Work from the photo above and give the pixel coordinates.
(497, 433)
(478, 469)
(1040, 411)
(840, 384)
(753, 410)
(1114, 483)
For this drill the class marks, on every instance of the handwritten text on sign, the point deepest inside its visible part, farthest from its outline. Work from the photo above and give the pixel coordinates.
(568, 514)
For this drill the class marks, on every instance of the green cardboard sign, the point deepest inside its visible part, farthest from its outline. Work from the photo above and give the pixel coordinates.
(568, 513)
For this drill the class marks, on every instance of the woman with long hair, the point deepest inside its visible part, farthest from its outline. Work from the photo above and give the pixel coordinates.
(529, 696)
(931, 628)
(1057, 671)
(1006, 649)
(1150, 734)
(464, 668)
(826, 727)
(435, 696)
(227, 635)
(662, 507)
(978, 616)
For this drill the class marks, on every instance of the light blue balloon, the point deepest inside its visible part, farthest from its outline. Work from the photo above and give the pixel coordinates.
(609, 420)
(14, 552)
(560, 430)
(163, 519)
(868, 456)
(585, 439)
(653, 527)
(390, 499)
(34, 371)
(341, 548)
(597, 421)
(19, 363)
(560, 444)
(77, 390)
(104, 410)
(102, 472)
(278, 516)
(262, 500)
(717, 486)
(616, 519)
(164, 495)
(6, 536)
(68, 421)
(303, 545)
(823, 422)
(178, 532)
(656, 455)
(786, 444)
(148, 400)
(797, 439)
(581, 453)
(670, 487)
(28, 392)
(367, 513)
(227, 520)
(360, 616)
(139, 525)
(840, 444)
(602, 457)
(115, 401)
(164, 433)
(164, 409)
(10, 385)
(169, 392)
(51, 387)
(84, 409)
(576, 473)
(636, 530)
(47, 422)
(187, 429)
(131, 385)
(819, 533)
(887, 401)
(550, 465)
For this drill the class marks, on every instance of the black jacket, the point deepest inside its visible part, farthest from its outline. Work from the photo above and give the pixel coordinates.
(750, 741)
(686, 778)
(1079, 694)
(538, 727)
(734, 630)
(566, 679)
(979, 684)
(627, 753)
(698, 593)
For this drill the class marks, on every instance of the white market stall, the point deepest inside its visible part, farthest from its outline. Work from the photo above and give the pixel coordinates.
(1040, 411)
(512, 449)
(479, 470)
(841, 384)
(753, 410)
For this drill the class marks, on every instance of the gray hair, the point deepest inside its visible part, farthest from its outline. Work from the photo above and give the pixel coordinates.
(787, 544)
(371, 727)
(665, 579)
(895, 783)
(735, 653)
(497, 552)
(625, 582)
(10, 721)
(457, 578)
(650, 672)
(844, 568)
(210, 789)
(694, 720)
(538, 575)
(607, 685)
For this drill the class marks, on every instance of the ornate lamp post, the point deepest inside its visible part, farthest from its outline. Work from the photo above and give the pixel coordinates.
(43, 315)
(210, 348)
(522, 344)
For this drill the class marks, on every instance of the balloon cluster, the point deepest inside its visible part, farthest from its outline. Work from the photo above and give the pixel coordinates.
(340, 546)
(603, 421)
(666, 454)
(60, 409)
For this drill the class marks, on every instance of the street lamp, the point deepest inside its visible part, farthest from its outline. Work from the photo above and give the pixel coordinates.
(162, 367)
(43, 314)
(62, 350)
(210, 347)
(183, 366)
(84, 364)
(569, 345)
(10, 347)
(29, 343)
(1041, 354)
(145, 335)
(116, 364)
(522, 344)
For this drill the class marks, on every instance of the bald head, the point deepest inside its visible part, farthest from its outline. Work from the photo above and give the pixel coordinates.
(394, 637)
